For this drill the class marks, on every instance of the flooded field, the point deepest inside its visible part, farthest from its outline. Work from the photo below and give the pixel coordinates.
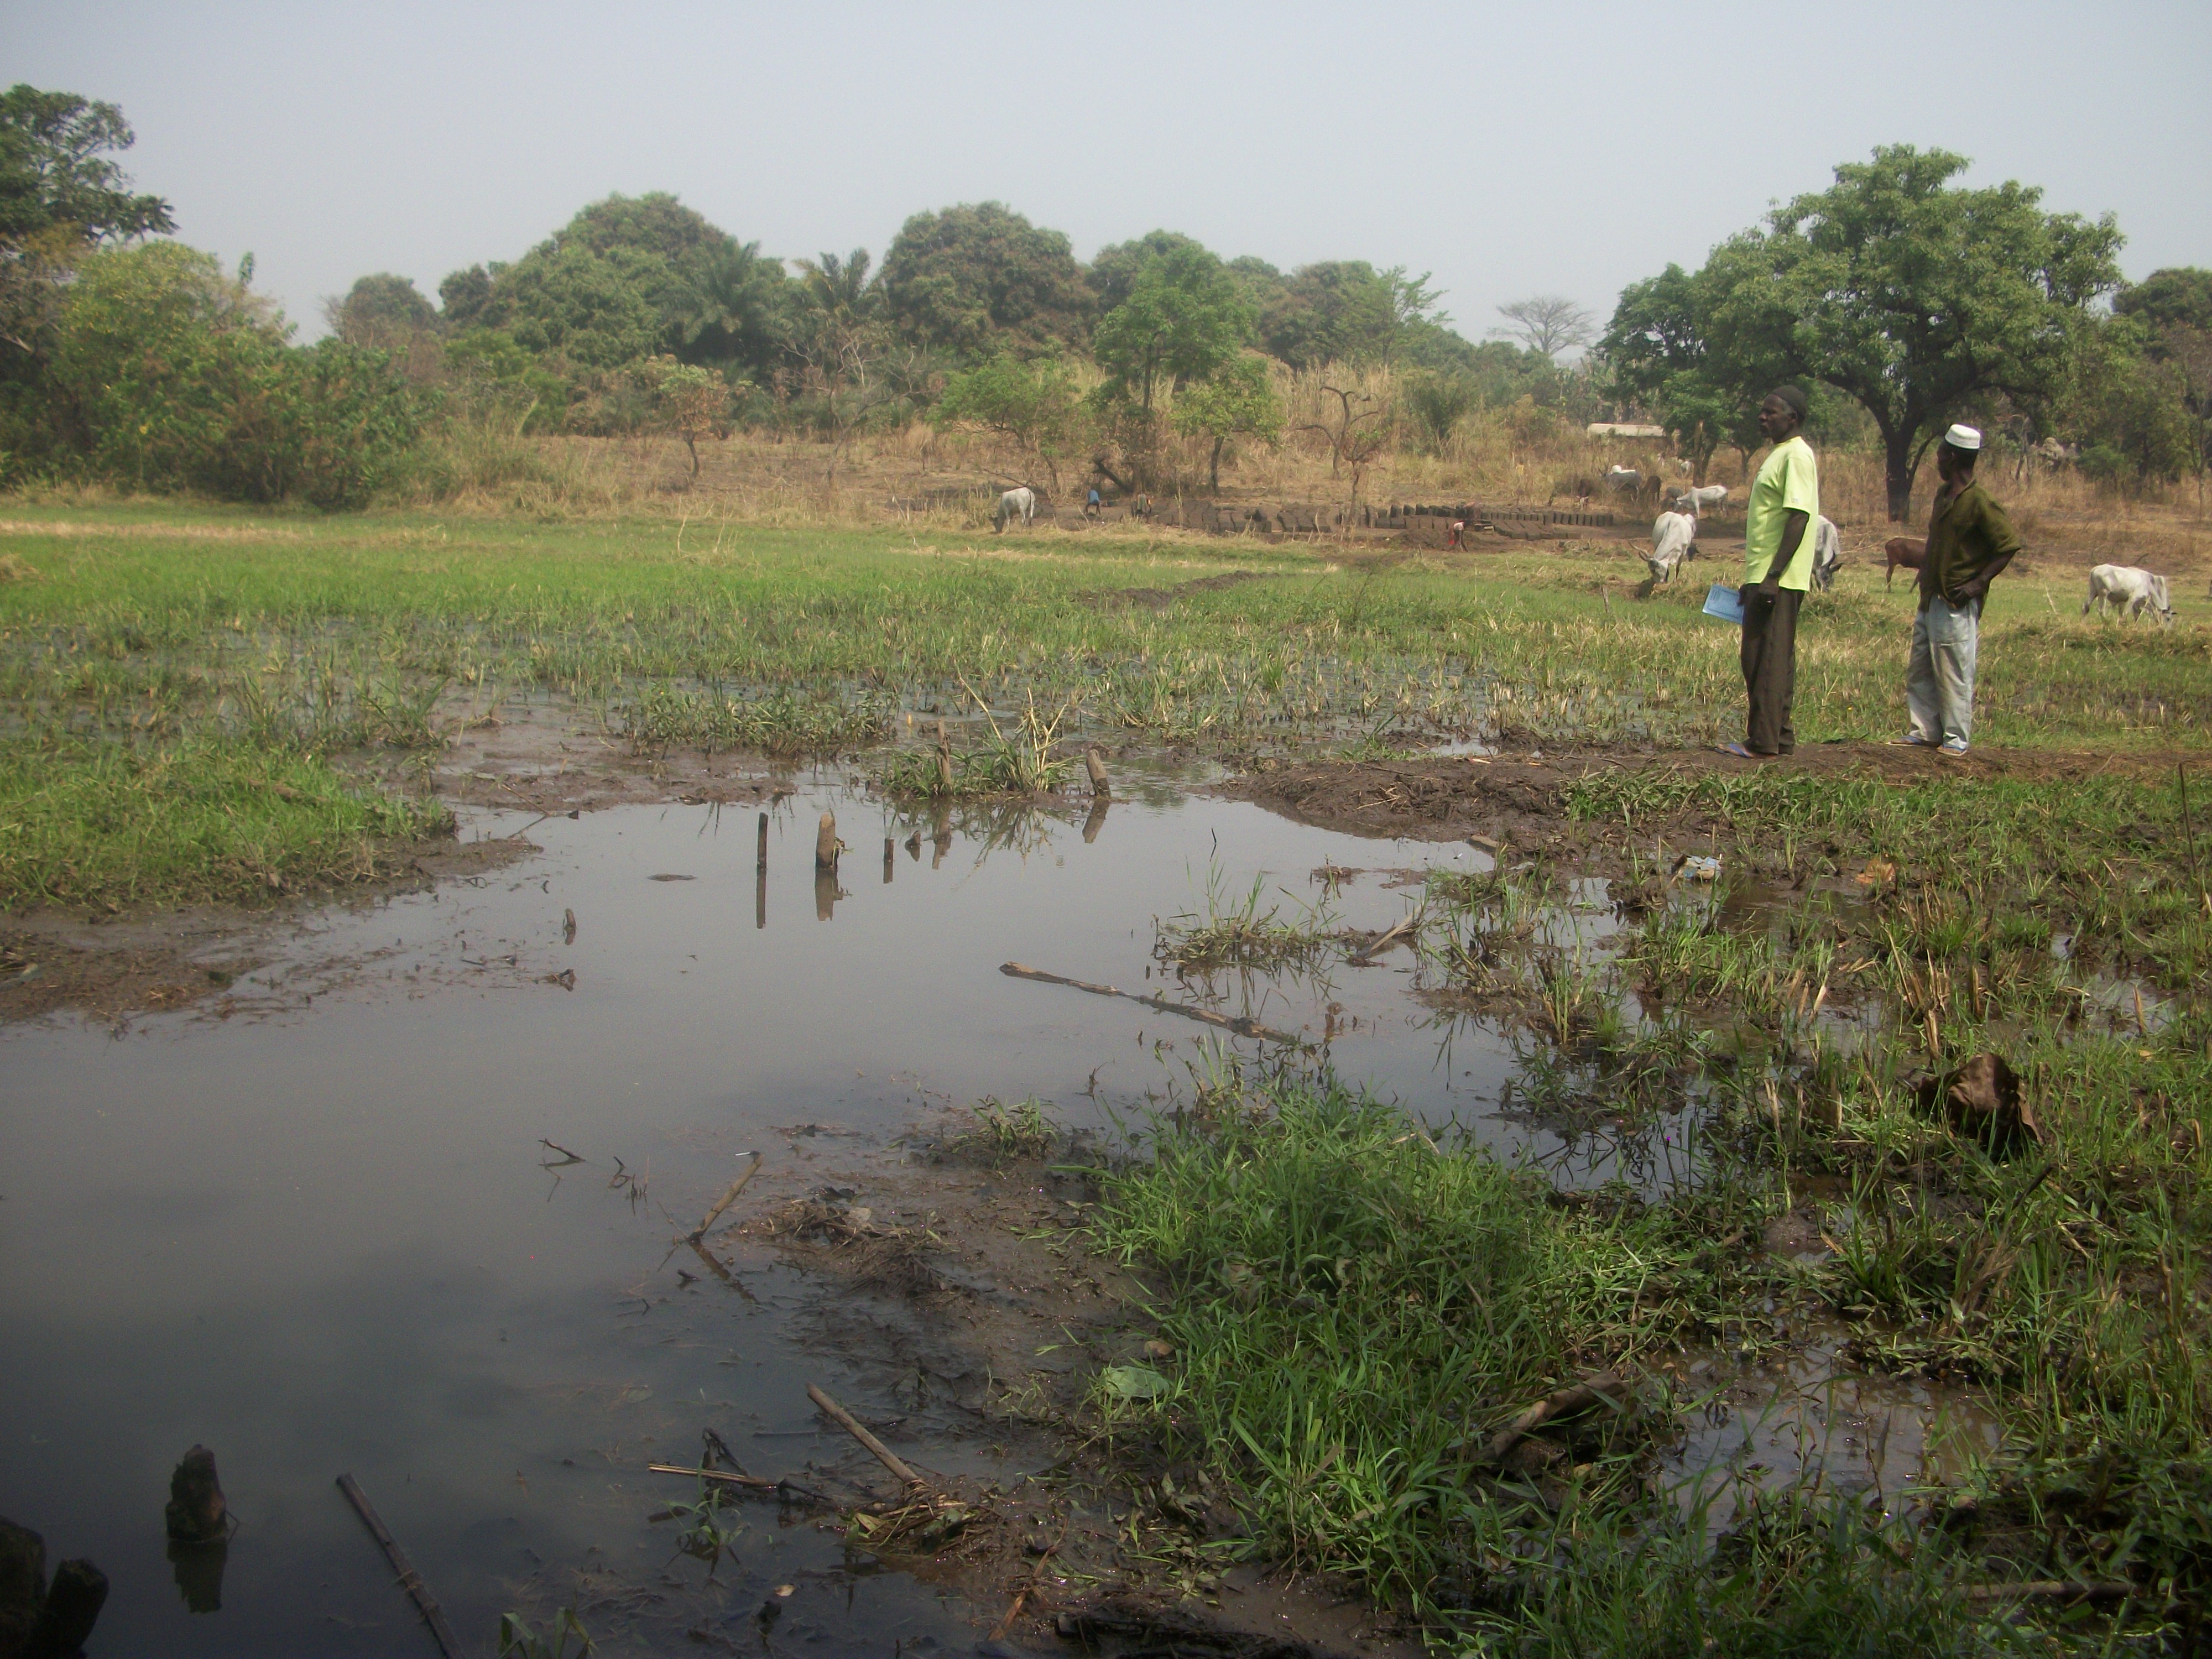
(318, 1224)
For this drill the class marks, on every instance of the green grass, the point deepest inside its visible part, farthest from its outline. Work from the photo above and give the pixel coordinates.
(1357, 1310)
(163, 609)
(105, 825)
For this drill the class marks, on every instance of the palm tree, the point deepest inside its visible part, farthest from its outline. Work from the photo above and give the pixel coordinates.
(723, 308)
(841, 290)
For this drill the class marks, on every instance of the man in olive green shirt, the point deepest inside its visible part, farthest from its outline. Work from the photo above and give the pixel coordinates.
(1970, 540)
(1778, 547)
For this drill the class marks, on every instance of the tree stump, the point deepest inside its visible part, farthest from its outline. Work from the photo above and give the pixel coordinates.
(196, 1510)
(73, 1605)
(825, 844)
(1097, 767)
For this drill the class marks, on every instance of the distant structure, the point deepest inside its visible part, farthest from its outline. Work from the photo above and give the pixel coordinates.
(1623, 430)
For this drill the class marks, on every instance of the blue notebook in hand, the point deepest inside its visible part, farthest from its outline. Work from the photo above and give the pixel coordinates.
(1726, 603)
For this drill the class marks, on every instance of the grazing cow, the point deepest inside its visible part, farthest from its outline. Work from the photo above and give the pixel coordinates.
(2132, 590)
(1018, 502)
(1906, 550)
(1623, 480)
(1828, 553)
(1702, 498)
(1673, 538)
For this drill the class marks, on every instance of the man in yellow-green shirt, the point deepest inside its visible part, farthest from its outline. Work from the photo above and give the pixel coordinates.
(1778, 546)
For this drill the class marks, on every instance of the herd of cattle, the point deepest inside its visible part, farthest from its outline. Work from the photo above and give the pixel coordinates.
(2134, 592)
(2124, 588)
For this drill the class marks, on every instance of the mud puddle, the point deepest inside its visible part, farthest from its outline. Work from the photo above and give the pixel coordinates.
(312, 1222)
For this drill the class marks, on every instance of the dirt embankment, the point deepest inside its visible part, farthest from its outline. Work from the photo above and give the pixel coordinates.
(964, 1284)
(1522, 798)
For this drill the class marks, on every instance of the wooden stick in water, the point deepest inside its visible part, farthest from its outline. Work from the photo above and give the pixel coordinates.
(728, 1198)
(852, 1425)
(1250, 1028)
(731, 1478)
(759, 844)
(410, 1580)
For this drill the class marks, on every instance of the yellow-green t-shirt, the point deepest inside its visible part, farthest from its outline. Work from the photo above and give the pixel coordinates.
(1789, 482)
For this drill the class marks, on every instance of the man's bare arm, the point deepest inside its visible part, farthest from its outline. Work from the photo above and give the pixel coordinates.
(1793, 534)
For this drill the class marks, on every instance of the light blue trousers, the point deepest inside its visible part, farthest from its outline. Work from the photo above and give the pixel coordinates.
(1939, 685)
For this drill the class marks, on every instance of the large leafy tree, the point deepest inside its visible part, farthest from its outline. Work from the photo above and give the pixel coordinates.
(1917, 298)
(1032, 405)
(978, 279)
(383, 311)
(1185, 317)
(1661, 349)
(55, 170)
(1345, 310)
(170, 373)
(627, 278)
(1238, 402)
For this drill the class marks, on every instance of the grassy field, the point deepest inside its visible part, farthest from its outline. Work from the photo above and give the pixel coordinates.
(335, 638)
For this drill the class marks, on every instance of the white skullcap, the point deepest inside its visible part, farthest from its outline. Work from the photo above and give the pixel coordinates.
(1968, 438)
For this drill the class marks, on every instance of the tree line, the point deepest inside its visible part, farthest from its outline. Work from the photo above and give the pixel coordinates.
(1907, 301)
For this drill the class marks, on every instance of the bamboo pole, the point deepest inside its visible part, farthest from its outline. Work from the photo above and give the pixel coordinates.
(410, 1580)
(852, 1425)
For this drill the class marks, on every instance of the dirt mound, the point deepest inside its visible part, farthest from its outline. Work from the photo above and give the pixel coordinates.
(1521, 798)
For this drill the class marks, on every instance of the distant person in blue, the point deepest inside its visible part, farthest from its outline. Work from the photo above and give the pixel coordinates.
(1091, 506)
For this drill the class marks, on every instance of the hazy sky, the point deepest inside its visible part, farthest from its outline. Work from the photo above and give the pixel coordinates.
(1510, 149)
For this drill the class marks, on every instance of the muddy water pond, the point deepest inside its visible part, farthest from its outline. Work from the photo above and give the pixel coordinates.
(321, 1225)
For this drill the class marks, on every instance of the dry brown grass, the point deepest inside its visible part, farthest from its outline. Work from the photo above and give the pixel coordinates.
(1519, 455)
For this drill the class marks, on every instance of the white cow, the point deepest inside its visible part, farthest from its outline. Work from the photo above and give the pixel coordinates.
(1702, 497)
(1828, 553)
(1021, 501)
(1673, 538)
(2132, 590)
(1623, 480)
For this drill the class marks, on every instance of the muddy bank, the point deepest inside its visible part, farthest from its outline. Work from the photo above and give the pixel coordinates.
(159, 961)
(1521, 798)
(957, 1285)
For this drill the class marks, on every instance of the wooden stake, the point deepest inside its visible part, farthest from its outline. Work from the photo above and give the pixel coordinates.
(1097, 767)
(410, 1580)
(759, 844)
(825, 844)
(728, 1198)
(891, 845)
(944, 761)
(845, 1421)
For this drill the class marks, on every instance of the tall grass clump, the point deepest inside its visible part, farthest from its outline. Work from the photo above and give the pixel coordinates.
(1354, 1308)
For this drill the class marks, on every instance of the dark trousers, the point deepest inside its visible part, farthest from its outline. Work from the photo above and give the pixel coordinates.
(1770, 668)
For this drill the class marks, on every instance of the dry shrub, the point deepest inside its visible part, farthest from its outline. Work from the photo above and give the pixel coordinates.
(13, 569)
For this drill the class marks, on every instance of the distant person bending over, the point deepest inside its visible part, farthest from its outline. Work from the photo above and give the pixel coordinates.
(1777, 548)
(1092, 504)
(1970, 540)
